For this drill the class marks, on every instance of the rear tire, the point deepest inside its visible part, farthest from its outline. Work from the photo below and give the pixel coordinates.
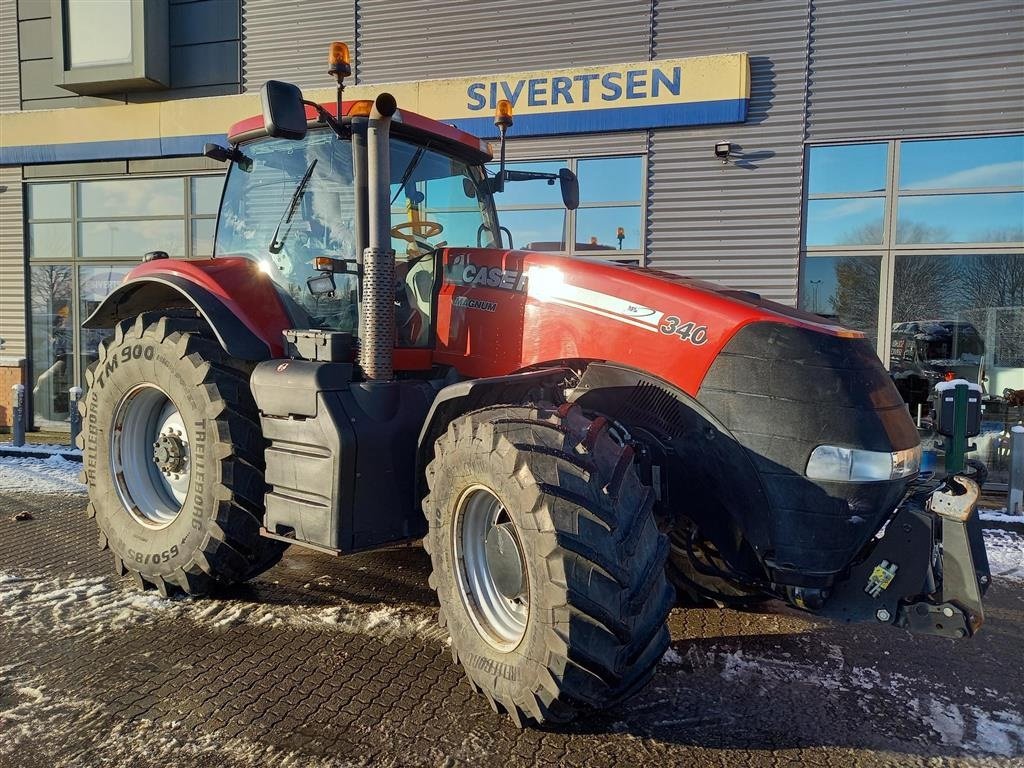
(593, 560)
(182, 510)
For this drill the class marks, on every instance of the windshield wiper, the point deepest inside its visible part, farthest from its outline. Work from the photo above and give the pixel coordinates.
(413, 162)
(276, 244)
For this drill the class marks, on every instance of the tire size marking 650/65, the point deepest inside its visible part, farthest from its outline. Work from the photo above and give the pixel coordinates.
(687, 331)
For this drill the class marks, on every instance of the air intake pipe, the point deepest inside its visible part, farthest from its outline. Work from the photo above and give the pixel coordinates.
(377, 322)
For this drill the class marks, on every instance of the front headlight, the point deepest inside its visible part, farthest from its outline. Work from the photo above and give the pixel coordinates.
(829, 462)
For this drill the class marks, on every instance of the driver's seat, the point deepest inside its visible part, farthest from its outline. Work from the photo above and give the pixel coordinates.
(419, 289)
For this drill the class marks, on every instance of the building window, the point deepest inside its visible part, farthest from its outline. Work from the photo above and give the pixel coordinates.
(110, 46)
(609, 222)
(98, 33)
(920, 244)
(83, 238)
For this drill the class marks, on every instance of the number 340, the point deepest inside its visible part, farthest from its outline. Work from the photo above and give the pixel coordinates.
(689, 331)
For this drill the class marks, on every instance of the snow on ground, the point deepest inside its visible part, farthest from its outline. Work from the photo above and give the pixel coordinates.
(39, 449)
(999, 516)
(51, 475)
(35, 712)
(1005, 554)
(990, 724)
(92, 606)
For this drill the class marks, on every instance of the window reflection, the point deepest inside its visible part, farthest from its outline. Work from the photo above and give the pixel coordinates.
(118, 198)
(49, 201)
(53, 321)
(995, 161)
(845, 221)
(205, 191)
(847, 168)
(541, 230)
(94, 284)
(598, 228)
(49, 241)
(536, 216)
(202, 237)
(610, 179)
(977, 218)
(843, 289)
(962, 317)
(99, 239)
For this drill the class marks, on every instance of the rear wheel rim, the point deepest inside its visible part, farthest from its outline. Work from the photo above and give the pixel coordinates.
(499, 613)
(150, 456)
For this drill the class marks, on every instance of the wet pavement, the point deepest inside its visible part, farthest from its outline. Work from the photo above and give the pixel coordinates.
(338, 662)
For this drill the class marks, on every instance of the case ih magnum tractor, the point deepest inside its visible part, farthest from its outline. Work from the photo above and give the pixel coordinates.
(368, 360)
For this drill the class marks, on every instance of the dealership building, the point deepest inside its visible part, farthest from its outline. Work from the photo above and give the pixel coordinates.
(864, 161)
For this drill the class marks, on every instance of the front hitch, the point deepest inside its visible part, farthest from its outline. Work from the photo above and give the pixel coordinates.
(926, 572)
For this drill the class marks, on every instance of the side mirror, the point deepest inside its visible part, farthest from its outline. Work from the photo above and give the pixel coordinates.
(570, 188)
(284, 114)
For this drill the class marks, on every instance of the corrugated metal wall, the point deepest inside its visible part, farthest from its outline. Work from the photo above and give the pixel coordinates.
(739, 223)
(413, 40)
(10, 95)
(915, 68)
(289, 40)
(12, 265)
(541, 147)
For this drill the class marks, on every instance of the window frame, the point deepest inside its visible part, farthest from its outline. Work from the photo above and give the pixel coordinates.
(889, 248)
(74, 260)
(569, 233)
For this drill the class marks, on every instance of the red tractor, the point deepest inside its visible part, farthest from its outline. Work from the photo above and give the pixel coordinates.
(368, 360)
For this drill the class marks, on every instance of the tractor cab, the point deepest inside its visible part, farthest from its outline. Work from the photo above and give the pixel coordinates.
(294, 207)
(297, 199)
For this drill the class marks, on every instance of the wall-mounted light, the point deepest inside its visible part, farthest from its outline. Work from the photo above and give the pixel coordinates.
(722, 150)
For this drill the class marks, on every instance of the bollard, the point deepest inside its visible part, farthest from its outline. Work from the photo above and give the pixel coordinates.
(74, 395)
(18, 415)
(1015, 494)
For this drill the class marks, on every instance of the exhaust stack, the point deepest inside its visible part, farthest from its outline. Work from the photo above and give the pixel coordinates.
(377, 320)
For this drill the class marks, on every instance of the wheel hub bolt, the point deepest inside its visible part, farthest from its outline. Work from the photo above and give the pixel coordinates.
(169, 453)
(882, 614)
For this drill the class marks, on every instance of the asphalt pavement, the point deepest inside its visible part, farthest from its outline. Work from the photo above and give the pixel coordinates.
(338, 662)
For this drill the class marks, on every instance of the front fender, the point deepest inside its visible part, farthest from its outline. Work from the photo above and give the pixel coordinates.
(240, 304)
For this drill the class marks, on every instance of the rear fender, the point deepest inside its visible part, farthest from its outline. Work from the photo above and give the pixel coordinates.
(240, 304)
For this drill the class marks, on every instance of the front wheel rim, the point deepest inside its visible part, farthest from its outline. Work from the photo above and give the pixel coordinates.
(497, 603)
(150, 456)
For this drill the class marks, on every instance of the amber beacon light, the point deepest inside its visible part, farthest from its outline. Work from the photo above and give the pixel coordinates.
(339, 61)
(503, 114)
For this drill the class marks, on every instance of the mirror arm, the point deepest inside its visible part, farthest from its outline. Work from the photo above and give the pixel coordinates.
(530, 176)
(327, 117)
(497, 182)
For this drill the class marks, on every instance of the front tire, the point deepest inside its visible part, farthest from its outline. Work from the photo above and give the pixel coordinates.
(547, 561)
(173, 458)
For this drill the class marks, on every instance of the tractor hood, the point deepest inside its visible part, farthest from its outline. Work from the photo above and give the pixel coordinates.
(503, 310)
(778, 384)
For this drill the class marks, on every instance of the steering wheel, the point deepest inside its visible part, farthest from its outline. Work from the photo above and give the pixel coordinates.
(418, 230)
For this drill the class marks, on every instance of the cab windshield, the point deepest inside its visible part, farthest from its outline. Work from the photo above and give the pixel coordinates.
(297, 201)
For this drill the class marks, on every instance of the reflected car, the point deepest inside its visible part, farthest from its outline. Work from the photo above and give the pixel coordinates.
(925, 352)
